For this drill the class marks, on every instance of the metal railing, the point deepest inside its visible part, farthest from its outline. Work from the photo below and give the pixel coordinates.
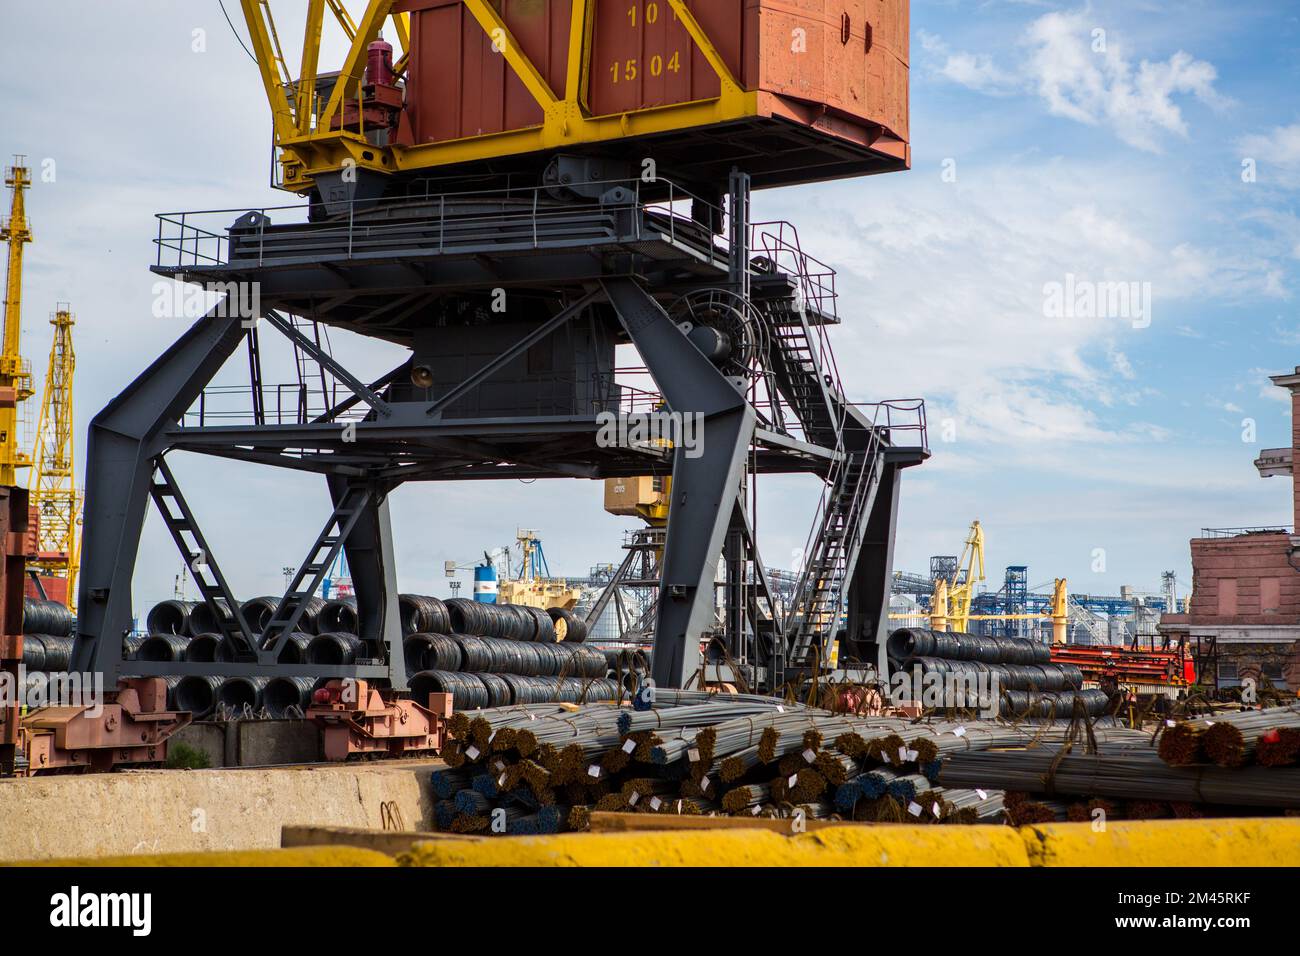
(199, 238)
(899, 416)
(286, 403)
(1234, 532)
(525, 214)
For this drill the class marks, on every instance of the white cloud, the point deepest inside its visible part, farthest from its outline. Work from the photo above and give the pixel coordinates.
(1277, 153)
(941, 289)
(1089, 79)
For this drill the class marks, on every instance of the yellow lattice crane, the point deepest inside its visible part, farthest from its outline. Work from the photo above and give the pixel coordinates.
(15, 374)
(54, 487)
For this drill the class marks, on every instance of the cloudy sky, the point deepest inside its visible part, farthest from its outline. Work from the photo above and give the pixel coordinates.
(1150, 143)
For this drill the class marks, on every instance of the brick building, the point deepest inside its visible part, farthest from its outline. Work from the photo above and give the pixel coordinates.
(1244, 614)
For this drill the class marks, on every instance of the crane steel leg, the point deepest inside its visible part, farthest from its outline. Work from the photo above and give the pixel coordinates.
(869, 588)
(705, 488)
(123, 441)
(369, 550)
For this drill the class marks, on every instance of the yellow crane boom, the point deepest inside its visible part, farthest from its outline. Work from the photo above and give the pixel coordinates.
(54, 487)
(15, 374)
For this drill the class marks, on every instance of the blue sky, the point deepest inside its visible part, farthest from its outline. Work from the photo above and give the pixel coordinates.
(1070, 435)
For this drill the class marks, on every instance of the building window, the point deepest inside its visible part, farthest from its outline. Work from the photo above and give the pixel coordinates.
(1227, 670)
(1272, 670)
(1270, 595)
(1227, 597)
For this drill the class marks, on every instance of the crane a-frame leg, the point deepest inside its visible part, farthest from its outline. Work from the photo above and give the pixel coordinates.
(125, 438)
(705, 486)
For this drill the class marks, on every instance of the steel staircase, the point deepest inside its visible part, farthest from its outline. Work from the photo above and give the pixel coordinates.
(319, 560)
(208, 578)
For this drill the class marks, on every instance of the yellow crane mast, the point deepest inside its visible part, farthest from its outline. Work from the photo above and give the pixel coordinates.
(15, 374)
(54, 487)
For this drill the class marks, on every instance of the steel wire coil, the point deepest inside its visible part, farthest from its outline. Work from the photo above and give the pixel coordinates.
(335, 648)
(467, 691)
(909, 642)
(499, 693)
(207, 618)
(466, 617)
(569, 628)
(339, 614)
(1019, 704)
(282, 693)
(295, 647)
(197, 694)
(207, 648)
(421, 613)
(170, 617)
(47, 652)
(47, 617)
(130, 645)
(33, 653)
(257, 613)
(238, 693)
(163, 647)
(543, 626)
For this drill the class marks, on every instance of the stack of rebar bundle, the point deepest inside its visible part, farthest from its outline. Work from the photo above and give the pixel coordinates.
(1028, 684)
(1217, 766)
(543, 768)
(1267, 738)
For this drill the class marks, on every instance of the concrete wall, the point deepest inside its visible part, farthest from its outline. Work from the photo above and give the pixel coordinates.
(254, 743)
(178, 811)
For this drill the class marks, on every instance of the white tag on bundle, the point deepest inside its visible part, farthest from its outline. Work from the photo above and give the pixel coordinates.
(902, 755)
(655, 803)
(754, 812)
(912, 755)
(693, 755)
(809, 755)
(794, 780)
(472, 752)
(983, 795)
(631, 801)
(914, 808)
(593, 771)
(704, 785)
(532, 716)
(959, 732)
(501, 780)
(629, 746)
(935, 808)
(1169, 723)
(780, 709)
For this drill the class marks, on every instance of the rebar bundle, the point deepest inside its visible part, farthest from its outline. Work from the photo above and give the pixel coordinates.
(700, 753)
(1129, 776)
(1269, 737)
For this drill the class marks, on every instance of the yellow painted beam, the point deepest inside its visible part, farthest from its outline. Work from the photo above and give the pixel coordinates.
(355, 64)
(836, 846)
(503, 42)
(1271, 841)
(580, 27)
(310, 61)
(300, 856)
(730, 87)
(264, 52)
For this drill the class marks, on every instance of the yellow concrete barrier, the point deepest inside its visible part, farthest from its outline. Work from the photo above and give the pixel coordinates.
(1238, 842)
(299, 856)
(836, 846)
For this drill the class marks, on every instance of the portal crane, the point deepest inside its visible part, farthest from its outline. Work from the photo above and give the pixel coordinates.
(15, 374)
(54, 487)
